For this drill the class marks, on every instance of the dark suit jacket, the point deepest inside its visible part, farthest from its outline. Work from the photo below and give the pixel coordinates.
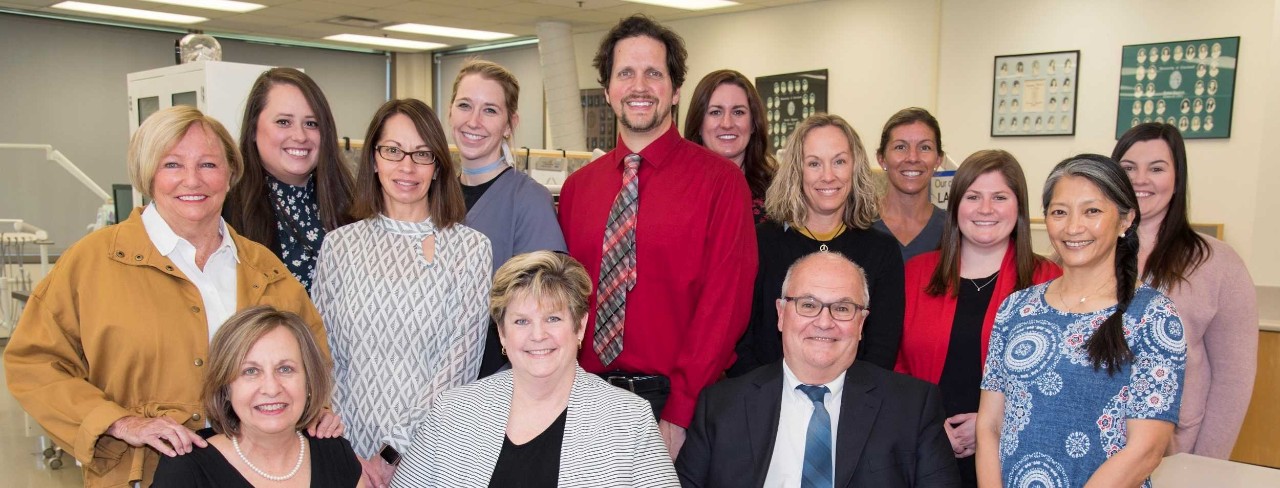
(890, 432)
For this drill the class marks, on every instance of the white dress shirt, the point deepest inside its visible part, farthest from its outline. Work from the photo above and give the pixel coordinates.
(216, 282)
(787, 464)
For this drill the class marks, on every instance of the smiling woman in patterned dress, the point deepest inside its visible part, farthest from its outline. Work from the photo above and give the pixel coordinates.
(1084, 373)
(295, 187)
(403, 291)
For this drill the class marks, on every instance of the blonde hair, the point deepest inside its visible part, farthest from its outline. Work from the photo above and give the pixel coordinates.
(161, 132)
(488, 70)
(232, 343)
(552, 278)
(785, 201)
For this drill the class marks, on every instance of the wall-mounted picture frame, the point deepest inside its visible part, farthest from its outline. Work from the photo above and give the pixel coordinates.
(790, 98)
(1190, 85)
(1035, 94)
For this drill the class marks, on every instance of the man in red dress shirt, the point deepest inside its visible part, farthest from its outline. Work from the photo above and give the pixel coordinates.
(694, 242)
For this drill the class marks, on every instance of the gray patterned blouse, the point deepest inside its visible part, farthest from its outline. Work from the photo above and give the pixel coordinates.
(401, 329)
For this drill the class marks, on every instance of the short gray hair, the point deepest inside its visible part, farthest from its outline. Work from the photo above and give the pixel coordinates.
(862, 274)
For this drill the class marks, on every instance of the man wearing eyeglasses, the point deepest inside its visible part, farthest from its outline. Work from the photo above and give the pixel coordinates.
(817, 417)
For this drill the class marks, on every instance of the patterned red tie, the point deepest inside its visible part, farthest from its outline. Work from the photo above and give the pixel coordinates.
(617, 265)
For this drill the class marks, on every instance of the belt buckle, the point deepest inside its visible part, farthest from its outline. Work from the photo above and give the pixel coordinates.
(625, 382)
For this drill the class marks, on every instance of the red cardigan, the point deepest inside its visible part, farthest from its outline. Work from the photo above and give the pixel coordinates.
(926, 329)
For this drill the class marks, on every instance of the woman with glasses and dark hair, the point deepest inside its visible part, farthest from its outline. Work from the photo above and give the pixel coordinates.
(1084, 373)
(1206, 280)
(727, 116)
(295, 187)
(403, 291)
(823, 200)
(953, 293)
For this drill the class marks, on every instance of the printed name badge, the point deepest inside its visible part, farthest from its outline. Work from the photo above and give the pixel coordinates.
(940, 188)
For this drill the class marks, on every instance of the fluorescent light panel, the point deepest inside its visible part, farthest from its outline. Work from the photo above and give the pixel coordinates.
(436, 30)
(132, 13)
(387, 42)
(223, 5)
(687, 4)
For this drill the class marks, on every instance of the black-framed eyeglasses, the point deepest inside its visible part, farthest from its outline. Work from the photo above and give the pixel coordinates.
(396, 154)
(841, 310)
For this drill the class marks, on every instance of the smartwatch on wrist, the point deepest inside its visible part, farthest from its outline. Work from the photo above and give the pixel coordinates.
(389, 455)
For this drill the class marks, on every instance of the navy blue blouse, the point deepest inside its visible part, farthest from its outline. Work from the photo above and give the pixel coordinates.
(299, 231)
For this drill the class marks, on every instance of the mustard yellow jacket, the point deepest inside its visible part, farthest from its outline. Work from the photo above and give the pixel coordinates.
(115, 330)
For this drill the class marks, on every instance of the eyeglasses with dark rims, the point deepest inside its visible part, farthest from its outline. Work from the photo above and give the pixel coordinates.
(396, 154)
(841, 310)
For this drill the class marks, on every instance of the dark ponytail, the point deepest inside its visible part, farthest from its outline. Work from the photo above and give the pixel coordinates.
(1107, 346)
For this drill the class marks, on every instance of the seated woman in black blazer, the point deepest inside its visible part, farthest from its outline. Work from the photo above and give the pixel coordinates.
(266, 379)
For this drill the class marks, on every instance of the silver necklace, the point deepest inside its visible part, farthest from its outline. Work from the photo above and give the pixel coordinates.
(302, 451)
(1067, 308)
(984, 285)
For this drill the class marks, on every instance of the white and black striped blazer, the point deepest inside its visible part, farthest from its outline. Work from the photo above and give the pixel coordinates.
(610, 438)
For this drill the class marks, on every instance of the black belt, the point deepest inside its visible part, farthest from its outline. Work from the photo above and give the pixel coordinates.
(638, 383)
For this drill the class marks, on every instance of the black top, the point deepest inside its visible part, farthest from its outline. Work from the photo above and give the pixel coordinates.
(472, 194)
(962, 372)
(535, 463)
(876, 252)
(299, 231)
(333, 465)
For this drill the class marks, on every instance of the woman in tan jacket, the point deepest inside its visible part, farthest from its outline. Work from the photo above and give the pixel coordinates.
(109, 353)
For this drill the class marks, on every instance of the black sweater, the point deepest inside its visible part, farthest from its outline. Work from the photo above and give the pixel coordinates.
(876, 252)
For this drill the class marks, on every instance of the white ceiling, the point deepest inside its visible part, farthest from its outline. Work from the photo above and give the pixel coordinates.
(305, 20)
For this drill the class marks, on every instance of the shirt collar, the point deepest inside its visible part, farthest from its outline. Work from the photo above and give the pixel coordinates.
(166, 240)
(656, 153)
(790, 382)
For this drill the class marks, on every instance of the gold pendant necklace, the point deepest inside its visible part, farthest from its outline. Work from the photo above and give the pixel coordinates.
(822, 243)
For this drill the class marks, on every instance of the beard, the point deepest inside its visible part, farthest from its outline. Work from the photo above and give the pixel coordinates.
(640, 124)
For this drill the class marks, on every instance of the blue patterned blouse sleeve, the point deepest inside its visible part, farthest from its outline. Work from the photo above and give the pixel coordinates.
(1160, 352)
(993, 375)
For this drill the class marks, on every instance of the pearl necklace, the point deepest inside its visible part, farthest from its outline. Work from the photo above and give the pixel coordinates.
(302, 452)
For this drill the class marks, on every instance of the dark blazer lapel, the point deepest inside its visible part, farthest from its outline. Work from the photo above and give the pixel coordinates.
(859, 406)
(762, 409)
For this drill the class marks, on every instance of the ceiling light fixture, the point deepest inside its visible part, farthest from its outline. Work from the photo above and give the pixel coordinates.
(687, 4)
(132, 13)
(441, 31)
(223, 5)
(404, 44)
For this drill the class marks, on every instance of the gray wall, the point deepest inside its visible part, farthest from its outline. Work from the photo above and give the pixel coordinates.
(63, 83)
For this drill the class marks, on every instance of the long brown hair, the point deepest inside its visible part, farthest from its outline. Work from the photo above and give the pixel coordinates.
(444, 197)
(249, 209)
(1179, 250)
(946, 276)
(758, 163)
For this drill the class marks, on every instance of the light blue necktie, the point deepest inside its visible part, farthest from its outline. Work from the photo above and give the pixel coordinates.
(817, 443)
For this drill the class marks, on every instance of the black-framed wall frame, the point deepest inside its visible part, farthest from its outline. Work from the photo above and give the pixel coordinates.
(1035, 94)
